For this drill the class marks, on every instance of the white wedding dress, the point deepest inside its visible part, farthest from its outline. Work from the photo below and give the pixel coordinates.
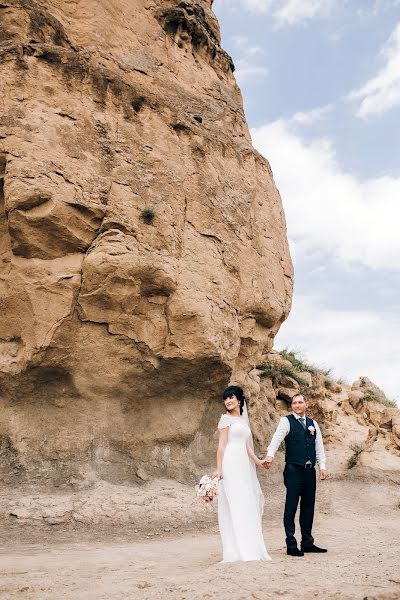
(240, 499)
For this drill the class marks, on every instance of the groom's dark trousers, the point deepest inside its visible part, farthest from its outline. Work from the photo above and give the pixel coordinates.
(300, 482)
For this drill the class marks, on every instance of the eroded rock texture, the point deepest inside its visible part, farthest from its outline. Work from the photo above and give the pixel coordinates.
(144, 261)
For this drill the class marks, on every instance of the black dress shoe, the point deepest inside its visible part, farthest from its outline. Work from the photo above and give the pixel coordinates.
(295, 552)
(313, 549)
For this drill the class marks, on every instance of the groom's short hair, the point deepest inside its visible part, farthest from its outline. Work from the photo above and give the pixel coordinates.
(298, 396)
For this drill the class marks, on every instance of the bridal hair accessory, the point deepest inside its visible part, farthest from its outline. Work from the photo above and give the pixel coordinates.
(207, 488)
(311, 429)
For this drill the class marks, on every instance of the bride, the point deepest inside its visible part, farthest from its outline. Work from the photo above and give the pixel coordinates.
(240, 499)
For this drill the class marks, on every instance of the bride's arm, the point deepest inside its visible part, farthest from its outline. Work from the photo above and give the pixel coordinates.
(223, 439)
(253, 457)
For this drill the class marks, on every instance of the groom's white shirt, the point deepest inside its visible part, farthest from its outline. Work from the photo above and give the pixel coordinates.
(283, 429)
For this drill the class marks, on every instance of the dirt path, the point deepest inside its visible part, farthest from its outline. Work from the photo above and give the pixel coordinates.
(362, 532)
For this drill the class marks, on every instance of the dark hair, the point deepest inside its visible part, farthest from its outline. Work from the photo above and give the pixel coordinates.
(235, 390)
(297, 396)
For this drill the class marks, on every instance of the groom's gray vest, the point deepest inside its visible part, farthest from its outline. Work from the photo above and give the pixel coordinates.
(300, 444)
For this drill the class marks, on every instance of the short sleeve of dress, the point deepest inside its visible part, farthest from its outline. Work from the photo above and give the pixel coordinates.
(224, 421)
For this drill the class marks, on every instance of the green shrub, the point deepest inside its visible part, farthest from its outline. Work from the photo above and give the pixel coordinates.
(276, 370)
(300, 363)
(372, 396)
(357, 450)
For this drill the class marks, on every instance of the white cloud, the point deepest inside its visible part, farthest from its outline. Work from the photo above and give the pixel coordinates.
(284, 12)
(356, 342)
(246, 70)
(291, 12)
(293, 251)
(311, 116)
(260, 6)
(376, 8)
(328, 210)
(335, 36)
(243, 45)
(368, 11)
(382, 92)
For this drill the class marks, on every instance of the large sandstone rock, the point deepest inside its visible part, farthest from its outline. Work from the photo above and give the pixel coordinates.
(144, 261)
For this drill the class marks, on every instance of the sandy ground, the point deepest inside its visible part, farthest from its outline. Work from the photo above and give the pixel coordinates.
(358, 521)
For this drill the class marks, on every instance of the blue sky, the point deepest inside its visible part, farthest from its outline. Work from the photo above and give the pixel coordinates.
(321, 86)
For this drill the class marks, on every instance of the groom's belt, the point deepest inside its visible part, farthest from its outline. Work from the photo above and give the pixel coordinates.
(307, 465)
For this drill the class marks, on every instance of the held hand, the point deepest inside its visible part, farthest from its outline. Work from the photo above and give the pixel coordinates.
(322, 474)
(259, 463)
(267, 462)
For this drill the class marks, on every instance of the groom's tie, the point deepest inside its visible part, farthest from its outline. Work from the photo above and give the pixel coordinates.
(303, 421)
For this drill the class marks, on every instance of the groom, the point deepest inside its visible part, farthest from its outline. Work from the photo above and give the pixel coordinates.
(304, 447)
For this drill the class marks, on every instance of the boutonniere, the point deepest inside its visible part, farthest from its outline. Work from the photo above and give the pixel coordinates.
(311, 429)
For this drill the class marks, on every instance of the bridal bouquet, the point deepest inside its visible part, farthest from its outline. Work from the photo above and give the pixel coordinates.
(207, 488)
